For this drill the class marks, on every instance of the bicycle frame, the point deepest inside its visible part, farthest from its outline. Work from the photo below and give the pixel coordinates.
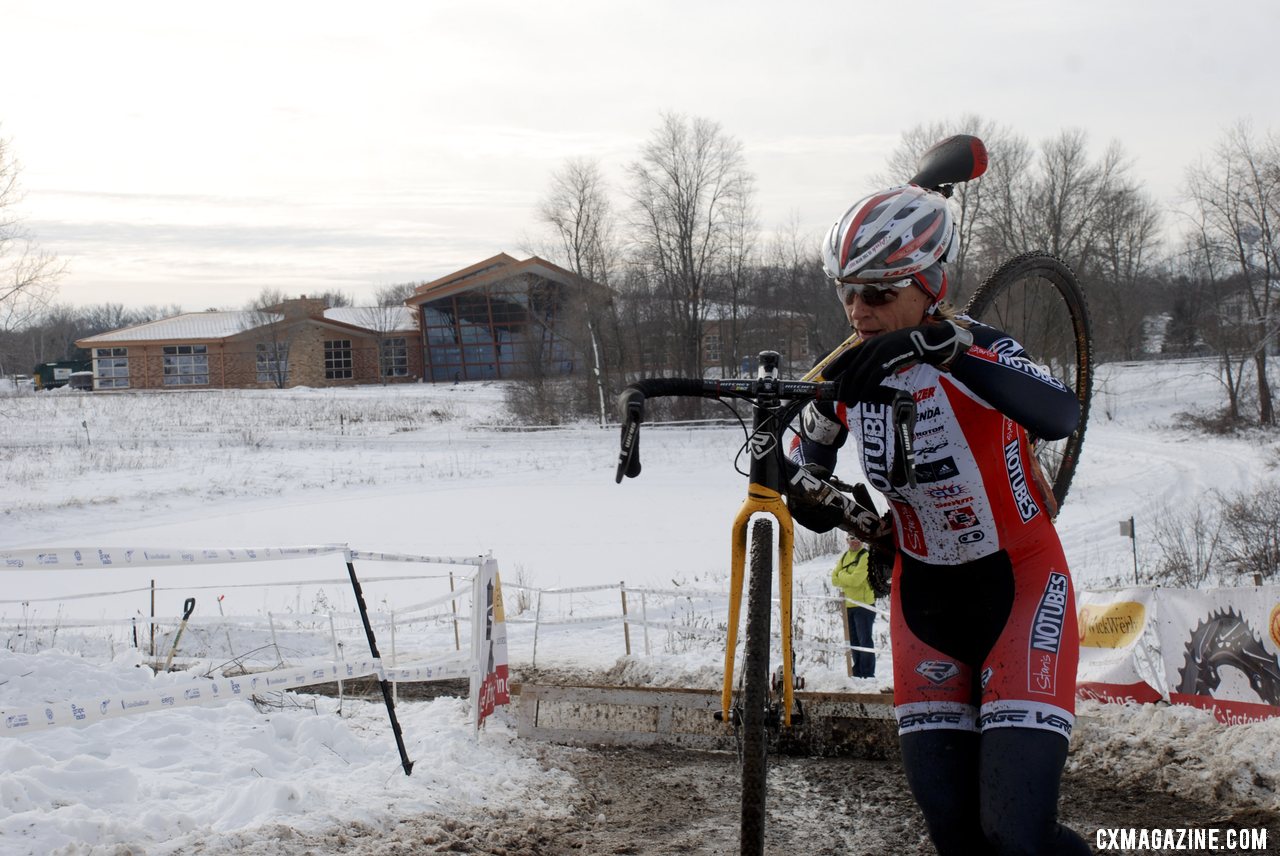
(765, 485)
(764, 496)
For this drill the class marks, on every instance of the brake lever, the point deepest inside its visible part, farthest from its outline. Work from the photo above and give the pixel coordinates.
(904, 433)
(631, 403)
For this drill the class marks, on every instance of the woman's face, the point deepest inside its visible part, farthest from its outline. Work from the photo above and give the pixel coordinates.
(906, 307)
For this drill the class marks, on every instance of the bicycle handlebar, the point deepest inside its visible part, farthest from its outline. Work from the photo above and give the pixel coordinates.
(631, 404)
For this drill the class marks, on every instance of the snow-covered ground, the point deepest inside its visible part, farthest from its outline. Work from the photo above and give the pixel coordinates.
(436, 471)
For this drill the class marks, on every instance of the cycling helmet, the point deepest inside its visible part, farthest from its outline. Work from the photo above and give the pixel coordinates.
(900, 233)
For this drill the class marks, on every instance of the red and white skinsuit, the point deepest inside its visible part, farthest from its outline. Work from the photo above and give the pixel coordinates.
(983, 620)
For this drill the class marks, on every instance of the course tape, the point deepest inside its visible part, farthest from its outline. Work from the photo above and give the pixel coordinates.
(200, 691)
(70, 558)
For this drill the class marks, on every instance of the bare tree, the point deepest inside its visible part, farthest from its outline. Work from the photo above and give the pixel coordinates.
(1126, 236)
(28, 274)
(1236, 201)
(387, 316)
(272, 345)
(690, 179)
(580, 217)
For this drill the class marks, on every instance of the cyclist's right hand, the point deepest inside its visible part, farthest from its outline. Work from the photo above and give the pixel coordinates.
(860, 370)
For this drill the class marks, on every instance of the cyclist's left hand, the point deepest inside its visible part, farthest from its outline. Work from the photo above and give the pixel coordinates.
(859, 371)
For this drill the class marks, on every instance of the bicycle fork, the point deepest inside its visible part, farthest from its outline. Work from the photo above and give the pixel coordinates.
(760, 500)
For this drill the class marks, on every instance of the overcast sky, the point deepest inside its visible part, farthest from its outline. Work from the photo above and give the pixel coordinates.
(195, 153)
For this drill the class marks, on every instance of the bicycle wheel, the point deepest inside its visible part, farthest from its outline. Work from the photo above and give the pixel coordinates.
(1036, 299)
(755, 692)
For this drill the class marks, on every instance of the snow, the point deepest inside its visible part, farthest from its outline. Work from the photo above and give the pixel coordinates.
(440, 471)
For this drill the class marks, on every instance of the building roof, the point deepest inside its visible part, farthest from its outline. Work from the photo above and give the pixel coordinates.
(210, 326)
(387, 319)
(493, 269)
(199, 326)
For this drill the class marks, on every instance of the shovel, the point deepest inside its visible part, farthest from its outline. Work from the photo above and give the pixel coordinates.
(187, 608)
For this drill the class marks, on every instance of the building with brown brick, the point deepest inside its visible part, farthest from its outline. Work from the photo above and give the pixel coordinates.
(300, 342)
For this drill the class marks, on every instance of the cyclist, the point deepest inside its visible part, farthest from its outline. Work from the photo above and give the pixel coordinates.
(982, 615)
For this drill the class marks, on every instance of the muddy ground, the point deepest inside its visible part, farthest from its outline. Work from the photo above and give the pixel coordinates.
(680, 801)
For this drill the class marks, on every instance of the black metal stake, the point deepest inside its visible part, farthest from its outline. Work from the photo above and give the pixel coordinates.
(386, 686)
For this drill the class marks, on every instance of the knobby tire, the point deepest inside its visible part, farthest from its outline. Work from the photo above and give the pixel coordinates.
(1036, 299)
(755, 672)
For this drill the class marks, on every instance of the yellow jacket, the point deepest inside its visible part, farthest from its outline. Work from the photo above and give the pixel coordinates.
(850, 576)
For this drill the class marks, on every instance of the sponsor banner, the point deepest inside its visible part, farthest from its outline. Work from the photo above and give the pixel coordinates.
(489, 644)
(71, 558)
(197, 692)
(1220, 649)
(1119, 646)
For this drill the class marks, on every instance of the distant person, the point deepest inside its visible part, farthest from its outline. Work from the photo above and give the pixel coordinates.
(850, 576)
(983, 618)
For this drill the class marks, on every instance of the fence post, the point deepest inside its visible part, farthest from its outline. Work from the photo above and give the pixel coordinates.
(333, 633)
(644, 617)
(537, 618)
(274, 642)
(395, 685)
(453, 603)
(626, 627)
(153, 619)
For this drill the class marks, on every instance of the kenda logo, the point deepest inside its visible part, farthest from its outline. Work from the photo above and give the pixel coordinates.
(1111, 625)
(1027, 507)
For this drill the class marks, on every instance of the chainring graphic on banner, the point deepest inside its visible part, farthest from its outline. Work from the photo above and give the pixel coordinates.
(1227, 639)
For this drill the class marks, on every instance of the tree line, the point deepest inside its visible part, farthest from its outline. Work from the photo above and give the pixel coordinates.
(683, 252)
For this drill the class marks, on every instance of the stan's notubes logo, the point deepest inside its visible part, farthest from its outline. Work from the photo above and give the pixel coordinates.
(1027, 507)
(1046, 636)
(1046, 627)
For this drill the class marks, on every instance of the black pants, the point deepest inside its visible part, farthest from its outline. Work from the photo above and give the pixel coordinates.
(995, 792)
(860, 621)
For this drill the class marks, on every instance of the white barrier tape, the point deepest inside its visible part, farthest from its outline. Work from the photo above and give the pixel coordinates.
(222, 587)
(70, 558)
(367, 556)
(455, 667)
(591, 619)
(612, 587)
(463, 591)
(197, 692)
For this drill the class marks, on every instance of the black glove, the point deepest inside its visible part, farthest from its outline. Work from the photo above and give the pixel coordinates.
(859, 371)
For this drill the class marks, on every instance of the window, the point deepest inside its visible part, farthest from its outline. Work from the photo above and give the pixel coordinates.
(395, 357)
(111, 367)
(711, 347)
(186, 365)
(273, 363)
(337, 359)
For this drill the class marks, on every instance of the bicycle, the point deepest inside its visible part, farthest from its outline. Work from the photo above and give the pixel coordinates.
(755, 710)
(776, 403)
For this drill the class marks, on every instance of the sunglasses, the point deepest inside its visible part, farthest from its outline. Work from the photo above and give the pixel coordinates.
(871, 293)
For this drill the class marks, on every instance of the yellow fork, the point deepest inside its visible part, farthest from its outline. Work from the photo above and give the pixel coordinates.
(760, 500)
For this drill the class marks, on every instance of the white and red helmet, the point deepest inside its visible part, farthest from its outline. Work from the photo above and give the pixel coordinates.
(899, 233)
